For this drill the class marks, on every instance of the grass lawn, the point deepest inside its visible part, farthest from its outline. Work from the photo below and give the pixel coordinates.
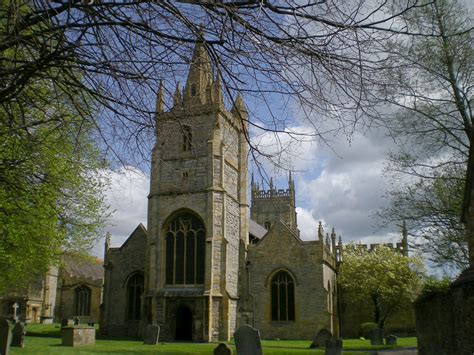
(45, 339)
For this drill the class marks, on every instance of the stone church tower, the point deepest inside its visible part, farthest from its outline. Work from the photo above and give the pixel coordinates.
(197, 210)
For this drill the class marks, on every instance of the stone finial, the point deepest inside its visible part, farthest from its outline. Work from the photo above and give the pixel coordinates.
(333, 234)
(177, 97)
(160, 103)
(240, 112)
(405, 238)
(107, 241)
(320, 231)
(340, 240)
(218, 98)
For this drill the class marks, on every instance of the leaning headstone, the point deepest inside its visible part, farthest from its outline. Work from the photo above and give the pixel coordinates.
(5, 336)
(376, 336)
(222, 349)
(76, 320)
(18, 335)
(247, 341)
(391, 340)
(320, 339)
(333, 347)
(152, 334)
(66, 322)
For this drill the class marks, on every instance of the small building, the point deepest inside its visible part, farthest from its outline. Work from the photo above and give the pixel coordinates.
(72, 289)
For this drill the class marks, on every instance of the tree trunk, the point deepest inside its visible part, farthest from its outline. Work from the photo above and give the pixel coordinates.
(377, 311)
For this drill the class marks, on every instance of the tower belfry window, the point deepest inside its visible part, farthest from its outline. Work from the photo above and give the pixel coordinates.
(187, 138)
(193, 89)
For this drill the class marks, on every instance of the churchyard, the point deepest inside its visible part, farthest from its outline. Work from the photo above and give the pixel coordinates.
(46, 339)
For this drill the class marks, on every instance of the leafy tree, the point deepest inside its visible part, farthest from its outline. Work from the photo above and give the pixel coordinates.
(428, 83)
(50, 186)
(381, 276)
(431, 207)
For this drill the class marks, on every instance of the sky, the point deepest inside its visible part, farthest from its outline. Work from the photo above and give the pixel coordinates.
(341, 186)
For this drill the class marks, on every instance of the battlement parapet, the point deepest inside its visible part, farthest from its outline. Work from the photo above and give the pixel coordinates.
(394, 246)
(265, 194)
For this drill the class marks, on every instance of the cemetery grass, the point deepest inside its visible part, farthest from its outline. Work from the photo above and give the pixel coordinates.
(45, 339)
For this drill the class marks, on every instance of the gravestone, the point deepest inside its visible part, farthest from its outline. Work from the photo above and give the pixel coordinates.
(391, 340)
(5, 336)
(15, 310)
(18, 335)
(66, 322)
(333, 347)
(376, 336)
(77, 335)
(320, 339)
(247, 341)
(222, 349)
(152, 334)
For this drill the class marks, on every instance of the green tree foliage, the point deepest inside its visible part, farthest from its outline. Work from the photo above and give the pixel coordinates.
(381, 276)
(432, 209)
(428, 82)
(51, 180)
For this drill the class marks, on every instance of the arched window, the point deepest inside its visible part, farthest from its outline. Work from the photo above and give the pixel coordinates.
(283, 297)
(187, 138)
(185, 243)
(82, 301)
(134, 294)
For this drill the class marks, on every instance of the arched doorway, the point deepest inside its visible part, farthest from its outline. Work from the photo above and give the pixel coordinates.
(184, 324)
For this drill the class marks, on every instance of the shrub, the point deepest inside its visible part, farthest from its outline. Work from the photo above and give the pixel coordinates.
(365, 329)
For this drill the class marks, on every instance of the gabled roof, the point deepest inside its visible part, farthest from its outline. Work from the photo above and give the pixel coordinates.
(83, 267)
(256, 229)
(139, 230)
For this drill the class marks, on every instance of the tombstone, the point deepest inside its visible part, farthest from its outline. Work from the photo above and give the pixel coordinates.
(15, 310)
(152, 334)
(333, 347)
(222, 349)
(391, 340)
(67, 322)
(76, 320)
(376, 336)
(5, 336)
(247, 341)
(320, 339)
(18, 335)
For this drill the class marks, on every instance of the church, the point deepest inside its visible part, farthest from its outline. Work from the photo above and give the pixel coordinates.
(210, 259)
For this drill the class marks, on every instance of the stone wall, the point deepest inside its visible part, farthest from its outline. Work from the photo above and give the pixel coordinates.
(444, 321)
(281, 249)
(120, 264)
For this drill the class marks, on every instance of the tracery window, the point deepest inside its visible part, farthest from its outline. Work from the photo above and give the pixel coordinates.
(185, 243)
(187, 138)
(283, 297)
(82, 301)
(134, 296)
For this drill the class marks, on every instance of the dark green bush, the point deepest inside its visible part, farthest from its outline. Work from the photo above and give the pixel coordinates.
(365, 329)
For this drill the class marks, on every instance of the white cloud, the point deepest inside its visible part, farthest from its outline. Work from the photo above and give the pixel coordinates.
(349, 188)
(127, 198)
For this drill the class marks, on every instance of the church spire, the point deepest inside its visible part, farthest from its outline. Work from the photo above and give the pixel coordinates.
(199, 81)
(160, 103)
(405, 238)
(177, 97)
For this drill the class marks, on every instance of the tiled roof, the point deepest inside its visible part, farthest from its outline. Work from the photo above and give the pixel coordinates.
(78, 267)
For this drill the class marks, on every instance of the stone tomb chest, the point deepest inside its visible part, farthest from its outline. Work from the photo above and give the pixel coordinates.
(77, 335)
